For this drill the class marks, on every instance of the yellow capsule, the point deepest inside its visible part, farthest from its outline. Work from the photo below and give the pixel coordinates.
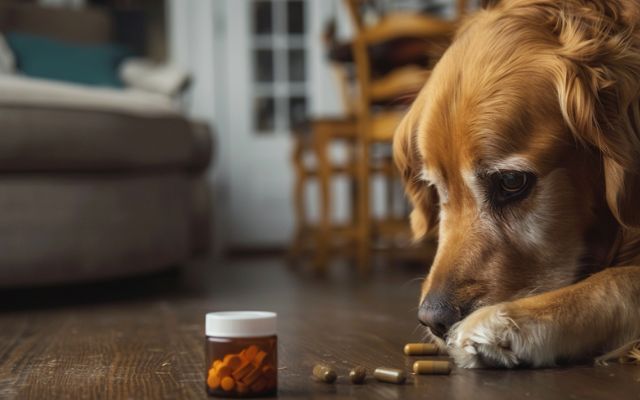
(420, 349)
(358, 375)
(390, 375)
(324, 373)
(431, 367)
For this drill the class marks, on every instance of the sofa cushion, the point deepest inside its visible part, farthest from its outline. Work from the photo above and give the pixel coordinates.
(38, 139)
(88, 64)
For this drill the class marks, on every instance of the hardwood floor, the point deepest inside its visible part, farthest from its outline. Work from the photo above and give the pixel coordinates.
(144, 339)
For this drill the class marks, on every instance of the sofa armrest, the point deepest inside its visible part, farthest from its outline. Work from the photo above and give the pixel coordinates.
(203, 146)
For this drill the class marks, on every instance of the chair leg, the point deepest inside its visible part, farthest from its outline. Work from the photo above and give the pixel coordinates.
(364, 231)
(390, 192)
(299, 203)
(354, 194)
(391, 180)
(323, 238)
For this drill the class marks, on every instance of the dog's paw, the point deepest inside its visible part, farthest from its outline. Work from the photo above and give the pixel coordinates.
(489, 337)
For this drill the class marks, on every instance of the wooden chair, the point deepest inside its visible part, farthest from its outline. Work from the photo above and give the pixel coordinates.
(321, 237)
(314, 140)
(378, 125)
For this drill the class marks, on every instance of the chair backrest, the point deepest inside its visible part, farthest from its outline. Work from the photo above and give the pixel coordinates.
(353, 6)
(345, 86)
(340, 68)
(423, 28)
(427, 29)
(356, 17)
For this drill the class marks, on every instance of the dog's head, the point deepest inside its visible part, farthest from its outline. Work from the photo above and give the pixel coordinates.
(522, 150)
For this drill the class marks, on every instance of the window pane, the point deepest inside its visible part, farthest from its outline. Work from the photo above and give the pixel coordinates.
(263, 64)
(262, 17)
(295, 16)
(297, 110)
(264, 114)
(296, 65)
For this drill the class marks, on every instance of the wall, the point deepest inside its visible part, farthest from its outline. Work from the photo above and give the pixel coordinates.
(197, 37)
(193, 36)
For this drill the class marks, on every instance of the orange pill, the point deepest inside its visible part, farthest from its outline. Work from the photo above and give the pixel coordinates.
(250, 352)
(227, 383)
(242, 370)
(223, 371)
(259, 358)
(213, 381)
(213, 370)
(216, 364)
(233, 361)
(252, 376)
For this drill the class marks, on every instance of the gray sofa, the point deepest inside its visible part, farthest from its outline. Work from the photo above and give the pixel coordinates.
(88, 195)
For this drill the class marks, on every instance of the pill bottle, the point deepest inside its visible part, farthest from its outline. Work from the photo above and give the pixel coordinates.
(241, 354)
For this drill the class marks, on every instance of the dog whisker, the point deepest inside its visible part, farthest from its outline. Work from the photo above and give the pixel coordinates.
(410, 281)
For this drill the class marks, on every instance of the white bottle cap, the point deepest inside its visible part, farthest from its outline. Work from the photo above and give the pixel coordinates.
(237, 324)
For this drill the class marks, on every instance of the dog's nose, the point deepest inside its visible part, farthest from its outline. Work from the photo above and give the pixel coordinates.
(438, 314)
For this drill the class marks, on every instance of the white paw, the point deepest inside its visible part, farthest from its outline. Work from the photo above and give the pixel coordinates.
(487, 338)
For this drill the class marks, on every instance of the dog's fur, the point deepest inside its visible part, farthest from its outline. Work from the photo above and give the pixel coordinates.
(552, 88)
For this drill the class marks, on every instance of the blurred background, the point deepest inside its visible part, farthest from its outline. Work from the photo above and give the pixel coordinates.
(140, 135)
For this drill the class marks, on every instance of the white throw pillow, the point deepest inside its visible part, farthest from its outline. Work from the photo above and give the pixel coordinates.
(144, 74)
(7, 59)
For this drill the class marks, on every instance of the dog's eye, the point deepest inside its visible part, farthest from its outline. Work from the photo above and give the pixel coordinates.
(513, 182)
(509, 186)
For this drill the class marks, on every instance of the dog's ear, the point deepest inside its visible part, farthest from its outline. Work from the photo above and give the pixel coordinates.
(623, 192)
(423, 197)
(599, 89)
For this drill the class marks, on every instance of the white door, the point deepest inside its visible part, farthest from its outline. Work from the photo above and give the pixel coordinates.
(273, 49)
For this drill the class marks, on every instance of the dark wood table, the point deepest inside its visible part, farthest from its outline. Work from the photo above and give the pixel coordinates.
(143, 339)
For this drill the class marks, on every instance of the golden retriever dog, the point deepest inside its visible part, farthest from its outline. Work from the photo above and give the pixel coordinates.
(523, 151)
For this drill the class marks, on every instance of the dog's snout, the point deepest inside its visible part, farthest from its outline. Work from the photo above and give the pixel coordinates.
(438, 314)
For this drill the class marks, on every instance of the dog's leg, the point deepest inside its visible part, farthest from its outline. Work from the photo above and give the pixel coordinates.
(579, 321)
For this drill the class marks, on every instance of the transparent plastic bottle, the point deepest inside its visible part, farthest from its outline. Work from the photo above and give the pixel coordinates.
(241, 354)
